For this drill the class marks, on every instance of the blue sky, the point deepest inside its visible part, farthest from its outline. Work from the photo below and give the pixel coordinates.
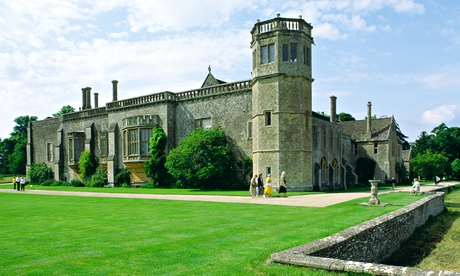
(402, 55)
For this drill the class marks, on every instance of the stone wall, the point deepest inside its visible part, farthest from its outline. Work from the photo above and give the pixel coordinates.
(357, 248)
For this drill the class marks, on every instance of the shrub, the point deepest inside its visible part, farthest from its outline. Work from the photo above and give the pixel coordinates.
(47, 182)
(98, 179)
(147, 185)
(87, 165)
(77, 183)
(57, 183)
(122, 177)
(39, 173)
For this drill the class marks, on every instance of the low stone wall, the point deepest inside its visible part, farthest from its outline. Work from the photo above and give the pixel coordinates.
(359, 248)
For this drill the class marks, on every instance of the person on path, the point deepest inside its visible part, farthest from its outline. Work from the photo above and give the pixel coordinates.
(23, 184)
(282, 189)
(14, 183)
(260, 185)
(253, 186)
(393, 183)
(268, 187)
(415, 188)
(18, 183)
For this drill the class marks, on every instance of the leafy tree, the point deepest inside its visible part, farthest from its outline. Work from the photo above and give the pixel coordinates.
(6, 149)
(430, 164)
(17, 159)
(87, 165)
(39, 173)
(423, 143)
(456, 168)
(155, 167)
(20, 129)
(65, 109)
(343, 117)
(203, 160)
(403, 174)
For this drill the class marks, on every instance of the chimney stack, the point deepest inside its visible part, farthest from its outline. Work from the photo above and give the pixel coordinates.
(369, 126)
(115, 90)
(333, 107)
(88, 97)
(83, 100)
(96, 100)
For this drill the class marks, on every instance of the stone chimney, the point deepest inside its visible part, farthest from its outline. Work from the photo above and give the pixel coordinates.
(83, 100)
(369, 124)
(333, 117)
(88, 97)
(115, 90)
(96, 100)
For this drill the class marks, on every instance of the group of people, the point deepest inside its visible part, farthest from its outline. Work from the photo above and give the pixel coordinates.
(437, 179)
(257, 187)
(19, 183)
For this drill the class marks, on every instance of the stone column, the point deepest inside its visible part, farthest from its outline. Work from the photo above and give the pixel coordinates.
(374, 192)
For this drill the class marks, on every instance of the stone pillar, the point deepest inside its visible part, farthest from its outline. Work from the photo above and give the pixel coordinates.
(333, 107)
(374, 192)
(115, 90)
(83, 100)
(96, 100)
(88, 97)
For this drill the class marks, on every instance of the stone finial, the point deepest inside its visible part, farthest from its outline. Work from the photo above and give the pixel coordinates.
(209, 68)
(278, 15)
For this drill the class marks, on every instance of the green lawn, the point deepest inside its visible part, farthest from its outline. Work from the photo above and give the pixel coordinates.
(62, 235)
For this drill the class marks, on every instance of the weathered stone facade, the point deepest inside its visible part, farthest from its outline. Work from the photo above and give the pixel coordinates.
(267, 118)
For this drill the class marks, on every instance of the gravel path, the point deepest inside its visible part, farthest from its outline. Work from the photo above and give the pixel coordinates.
(317, 200)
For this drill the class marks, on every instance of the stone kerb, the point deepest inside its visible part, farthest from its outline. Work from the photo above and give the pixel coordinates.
(358, 248)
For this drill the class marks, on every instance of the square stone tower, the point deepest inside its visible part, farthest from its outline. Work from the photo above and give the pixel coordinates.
(281, 100)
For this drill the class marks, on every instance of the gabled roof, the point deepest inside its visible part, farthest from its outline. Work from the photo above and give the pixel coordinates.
(357, 130)
(211, 80)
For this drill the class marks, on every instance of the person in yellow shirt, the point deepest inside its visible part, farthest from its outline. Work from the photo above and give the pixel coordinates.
(14, 183)
(268, 187)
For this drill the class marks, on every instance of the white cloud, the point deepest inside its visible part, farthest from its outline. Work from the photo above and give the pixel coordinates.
(441, 114)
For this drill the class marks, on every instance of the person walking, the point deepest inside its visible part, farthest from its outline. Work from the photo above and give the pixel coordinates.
(23, 184)
(415, 188)
(260, 185)
(14, 183)
(253, 186)
(268, 186)
(393, 183)
(18, 183)
(282, 189)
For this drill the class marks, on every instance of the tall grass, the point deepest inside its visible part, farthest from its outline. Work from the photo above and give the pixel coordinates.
(57, 235)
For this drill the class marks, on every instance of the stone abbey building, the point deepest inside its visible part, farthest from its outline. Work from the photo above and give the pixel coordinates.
(269, 118)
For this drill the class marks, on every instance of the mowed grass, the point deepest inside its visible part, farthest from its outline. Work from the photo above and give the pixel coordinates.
(436, 245)
(66, 235)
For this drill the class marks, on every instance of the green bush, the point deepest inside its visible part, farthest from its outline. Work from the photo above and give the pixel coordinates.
(57, 183)
(47, 182)
(87, 165)
(98, 179)
(77, 183)
(122, 177)
(39, 173)
(147, 185)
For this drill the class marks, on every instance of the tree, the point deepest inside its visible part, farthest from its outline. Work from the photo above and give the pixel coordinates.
(39, 172)
(65, 109)
(343, 117)
(20, 129)
(203, 160)
(430, 164)
(155, 167)
(87, 165)
(423, 143)
(456, 168)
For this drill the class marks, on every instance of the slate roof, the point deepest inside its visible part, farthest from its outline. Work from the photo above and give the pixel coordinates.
(357, 130)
